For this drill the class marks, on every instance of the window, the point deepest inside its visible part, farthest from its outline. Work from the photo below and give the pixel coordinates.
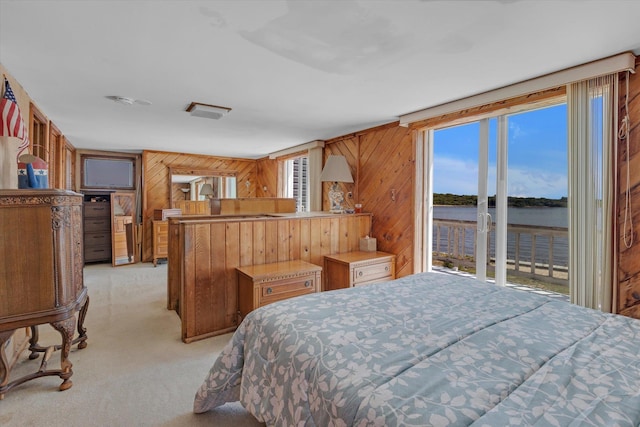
(297, 182)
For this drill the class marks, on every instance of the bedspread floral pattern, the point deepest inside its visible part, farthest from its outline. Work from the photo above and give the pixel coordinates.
(430, 349)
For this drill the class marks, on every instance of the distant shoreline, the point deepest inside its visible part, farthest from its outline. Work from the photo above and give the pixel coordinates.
(448, 199)
(510, 206)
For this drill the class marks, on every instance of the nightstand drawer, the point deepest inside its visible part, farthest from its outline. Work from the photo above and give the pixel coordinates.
(283, 289)
(357, 268)
(368, 273)
(263, 284)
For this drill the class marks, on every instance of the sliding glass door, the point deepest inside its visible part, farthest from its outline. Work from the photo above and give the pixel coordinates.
(498, 195)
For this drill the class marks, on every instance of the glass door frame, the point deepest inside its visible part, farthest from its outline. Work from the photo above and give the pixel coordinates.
(424, 204)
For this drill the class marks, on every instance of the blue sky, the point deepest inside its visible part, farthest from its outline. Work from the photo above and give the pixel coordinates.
(537, 155)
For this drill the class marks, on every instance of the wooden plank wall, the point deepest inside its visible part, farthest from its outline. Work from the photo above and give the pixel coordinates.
(382, 162)
(202, 281)
(156, 182)
(628, 295)
(267, 178)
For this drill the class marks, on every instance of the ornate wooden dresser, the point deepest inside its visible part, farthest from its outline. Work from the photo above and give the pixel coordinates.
(41, 276)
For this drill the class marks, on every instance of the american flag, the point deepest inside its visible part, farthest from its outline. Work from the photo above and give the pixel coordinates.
(11, 123)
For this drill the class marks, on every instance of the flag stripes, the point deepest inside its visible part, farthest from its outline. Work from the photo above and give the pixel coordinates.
(11, 123)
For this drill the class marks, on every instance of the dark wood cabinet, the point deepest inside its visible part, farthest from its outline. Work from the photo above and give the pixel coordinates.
(41, 275)
(97, 228)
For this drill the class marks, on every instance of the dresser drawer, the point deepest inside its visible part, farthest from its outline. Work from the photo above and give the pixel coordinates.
(282, 289)
(367, 273)
(97, 239)
(97, 210)
(96, 253)
(97, 224)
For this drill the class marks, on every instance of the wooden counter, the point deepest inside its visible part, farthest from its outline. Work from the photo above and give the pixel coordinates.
(204, 252)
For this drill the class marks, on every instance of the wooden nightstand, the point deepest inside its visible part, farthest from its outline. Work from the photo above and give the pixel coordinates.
(160, 232)
(263, 284)
(357, 268)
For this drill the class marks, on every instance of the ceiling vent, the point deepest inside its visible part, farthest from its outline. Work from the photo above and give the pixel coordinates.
(207, 111)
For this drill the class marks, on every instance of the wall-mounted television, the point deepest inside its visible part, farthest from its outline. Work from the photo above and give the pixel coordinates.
(110, 173)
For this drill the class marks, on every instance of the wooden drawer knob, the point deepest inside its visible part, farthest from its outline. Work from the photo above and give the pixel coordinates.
(360, 273)
(269, 291)
(386, 268)
(307, 283)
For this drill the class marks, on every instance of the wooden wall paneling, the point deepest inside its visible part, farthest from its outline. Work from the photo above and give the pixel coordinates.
(156, 181)
(305, 240)
(69, 165)
(628, 286)
(213, 249)
(284, 240)
(216, 281)
(267, 178)
(325, 240)
(246, 243)
(204, 238)
(334, 236)
(364, 229)
(271, 242)
(176, 248)
(387, 166)
(382, 163)
(232, 261)
(259, 242)
(315, 243)
(56, 157)
(294, 239)
(187, 299)
(343, 233)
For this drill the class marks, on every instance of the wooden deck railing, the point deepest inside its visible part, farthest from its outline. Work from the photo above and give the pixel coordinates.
(532, 251)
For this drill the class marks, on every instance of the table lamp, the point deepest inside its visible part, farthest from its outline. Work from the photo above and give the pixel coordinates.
(336, 170)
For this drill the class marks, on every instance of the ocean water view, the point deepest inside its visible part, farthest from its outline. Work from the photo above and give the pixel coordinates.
(542, 216)
(528, 216)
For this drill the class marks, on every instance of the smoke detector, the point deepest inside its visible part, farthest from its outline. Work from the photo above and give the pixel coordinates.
(128, 101)
(208, 111)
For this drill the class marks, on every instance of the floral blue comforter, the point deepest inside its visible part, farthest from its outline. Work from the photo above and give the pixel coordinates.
(430, 349)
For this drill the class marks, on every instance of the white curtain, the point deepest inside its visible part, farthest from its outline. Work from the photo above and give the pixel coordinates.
(591, 107)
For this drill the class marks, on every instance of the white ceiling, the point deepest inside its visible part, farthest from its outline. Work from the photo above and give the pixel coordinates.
(292, 71)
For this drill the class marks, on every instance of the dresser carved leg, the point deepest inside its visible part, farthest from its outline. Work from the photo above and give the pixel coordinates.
(82, 331)
(33, 342)
(4, 362)
(66, 328)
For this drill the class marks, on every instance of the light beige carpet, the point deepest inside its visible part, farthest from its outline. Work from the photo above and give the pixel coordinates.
(135, 370)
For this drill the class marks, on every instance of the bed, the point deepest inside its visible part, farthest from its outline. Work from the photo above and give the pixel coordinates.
(430, 349)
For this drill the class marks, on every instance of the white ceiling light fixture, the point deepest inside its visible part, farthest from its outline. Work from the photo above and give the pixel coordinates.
(125, 100)
(207, 111)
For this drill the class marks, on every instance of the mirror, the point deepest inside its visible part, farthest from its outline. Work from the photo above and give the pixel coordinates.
(123, 239)
(192, 189)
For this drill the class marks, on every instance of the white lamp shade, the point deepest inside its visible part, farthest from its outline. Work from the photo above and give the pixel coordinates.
(206, 190)
(336, 169)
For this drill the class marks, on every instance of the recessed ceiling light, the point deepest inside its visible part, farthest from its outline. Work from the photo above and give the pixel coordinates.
(128, 101)
(206, 110)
